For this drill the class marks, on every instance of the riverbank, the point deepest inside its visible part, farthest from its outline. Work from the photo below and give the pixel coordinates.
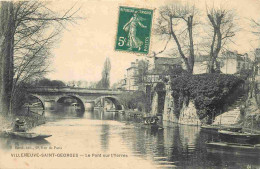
(31, 119)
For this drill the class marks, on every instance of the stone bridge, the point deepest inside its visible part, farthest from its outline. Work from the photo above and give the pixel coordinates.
(49, 96)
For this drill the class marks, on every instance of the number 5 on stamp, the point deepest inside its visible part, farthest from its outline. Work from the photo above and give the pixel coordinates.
(134, 30)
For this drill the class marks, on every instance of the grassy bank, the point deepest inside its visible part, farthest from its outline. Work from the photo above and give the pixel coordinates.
(31, 119)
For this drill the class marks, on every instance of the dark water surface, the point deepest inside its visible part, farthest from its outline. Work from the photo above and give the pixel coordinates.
(121, 142)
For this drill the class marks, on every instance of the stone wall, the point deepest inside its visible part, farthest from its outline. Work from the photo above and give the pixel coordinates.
(188, 113)
(168, 113)
(154, 110)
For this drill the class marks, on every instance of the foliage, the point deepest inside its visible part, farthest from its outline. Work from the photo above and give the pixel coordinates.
(176, 72)
(20, 95)
(50, 83)
(142, 70)
(245, 73)
(19, 98)
(31, 30)
(136, 100)
(207, 90)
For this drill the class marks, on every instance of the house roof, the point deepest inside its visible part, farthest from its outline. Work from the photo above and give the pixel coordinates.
(235, 55)
(202, 58)
(167, 61)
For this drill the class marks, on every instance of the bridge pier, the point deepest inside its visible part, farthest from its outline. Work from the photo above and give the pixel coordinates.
(89, 106)
(50, 105)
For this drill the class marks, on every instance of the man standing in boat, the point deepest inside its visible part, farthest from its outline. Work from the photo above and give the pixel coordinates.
(19, 125)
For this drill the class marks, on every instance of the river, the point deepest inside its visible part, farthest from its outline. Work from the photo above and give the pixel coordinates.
(109, 140)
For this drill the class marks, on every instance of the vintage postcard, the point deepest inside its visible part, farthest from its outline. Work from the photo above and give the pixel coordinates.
(130, 84)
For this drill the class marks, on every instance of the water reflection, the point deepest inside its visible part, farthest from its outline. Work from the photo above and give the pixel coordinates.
(105, 136)
(177, 146)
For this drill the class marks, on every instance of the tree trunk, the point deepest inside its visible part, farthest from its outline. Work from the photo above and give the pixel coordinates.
(186, 61)
(7, 26)
(191, 57)
(211, 65)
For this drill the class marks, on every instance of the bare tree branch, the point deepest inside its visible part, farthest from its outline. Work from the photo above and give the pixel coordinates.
(177, 20)
(223, 30)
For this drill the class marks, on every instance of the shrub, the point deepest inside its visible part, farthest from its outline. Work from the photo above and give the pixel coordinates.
(48, 82)
(207, 90)
(136, 100)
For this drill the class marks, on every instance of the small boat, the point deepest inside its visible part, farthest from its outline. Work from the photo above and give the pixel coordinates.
(151, 123)
(152, 127)
(215, 128)
(239, 137)
(234, 148)
(76, 106)
(25, 135)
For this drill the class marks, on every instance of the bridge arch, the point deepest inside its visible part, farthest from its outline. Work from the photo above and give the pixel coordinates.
(39, 98)
(78, 98)
(113, 99)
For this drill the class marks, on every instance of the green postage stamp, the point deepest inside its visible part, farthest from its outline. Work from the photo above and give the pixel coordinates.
(134, 30)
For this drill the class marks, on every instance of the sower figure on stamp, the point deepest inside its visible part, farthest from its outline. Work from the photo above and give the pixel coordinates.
(131, 28)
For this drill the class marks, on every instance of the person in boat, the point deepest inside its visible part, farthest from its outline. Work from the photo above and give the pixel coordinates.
(146, 120)
(19, 125)
(154, 120)
(151, 120)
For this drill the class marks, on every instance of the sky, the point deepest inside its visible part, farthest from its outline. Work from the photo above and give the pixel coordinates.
(83, 47)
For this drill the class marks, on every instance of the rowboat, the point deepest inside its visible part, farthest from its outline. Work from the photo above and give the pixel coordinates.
(234, 148)
(239, 137)
(216, 128)
(25, 135)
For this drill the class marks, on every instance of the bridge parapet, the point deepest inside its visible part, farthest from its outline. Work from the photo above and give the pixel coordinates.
(75, 90)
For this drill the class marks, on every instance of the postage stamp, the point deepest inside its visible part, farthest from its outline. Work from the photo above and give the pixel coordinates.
(134, 30)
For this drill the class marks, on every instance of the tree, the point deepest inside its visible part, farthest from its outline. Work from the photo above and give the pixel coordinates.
(50, 83)
(223, 29)
(254, 83)
(177, 22)
(104, 83)
(142, 70)
(79, 83)
(138, 99)
(31, 29)
(256, 28)
(7, 29)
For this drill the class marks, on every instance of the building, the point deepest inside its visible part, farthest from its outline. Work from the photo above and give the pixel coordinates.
(161, 67)
(234, 63)
(201, 64)
(230, 63)
(130, 80)
(155, 69)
